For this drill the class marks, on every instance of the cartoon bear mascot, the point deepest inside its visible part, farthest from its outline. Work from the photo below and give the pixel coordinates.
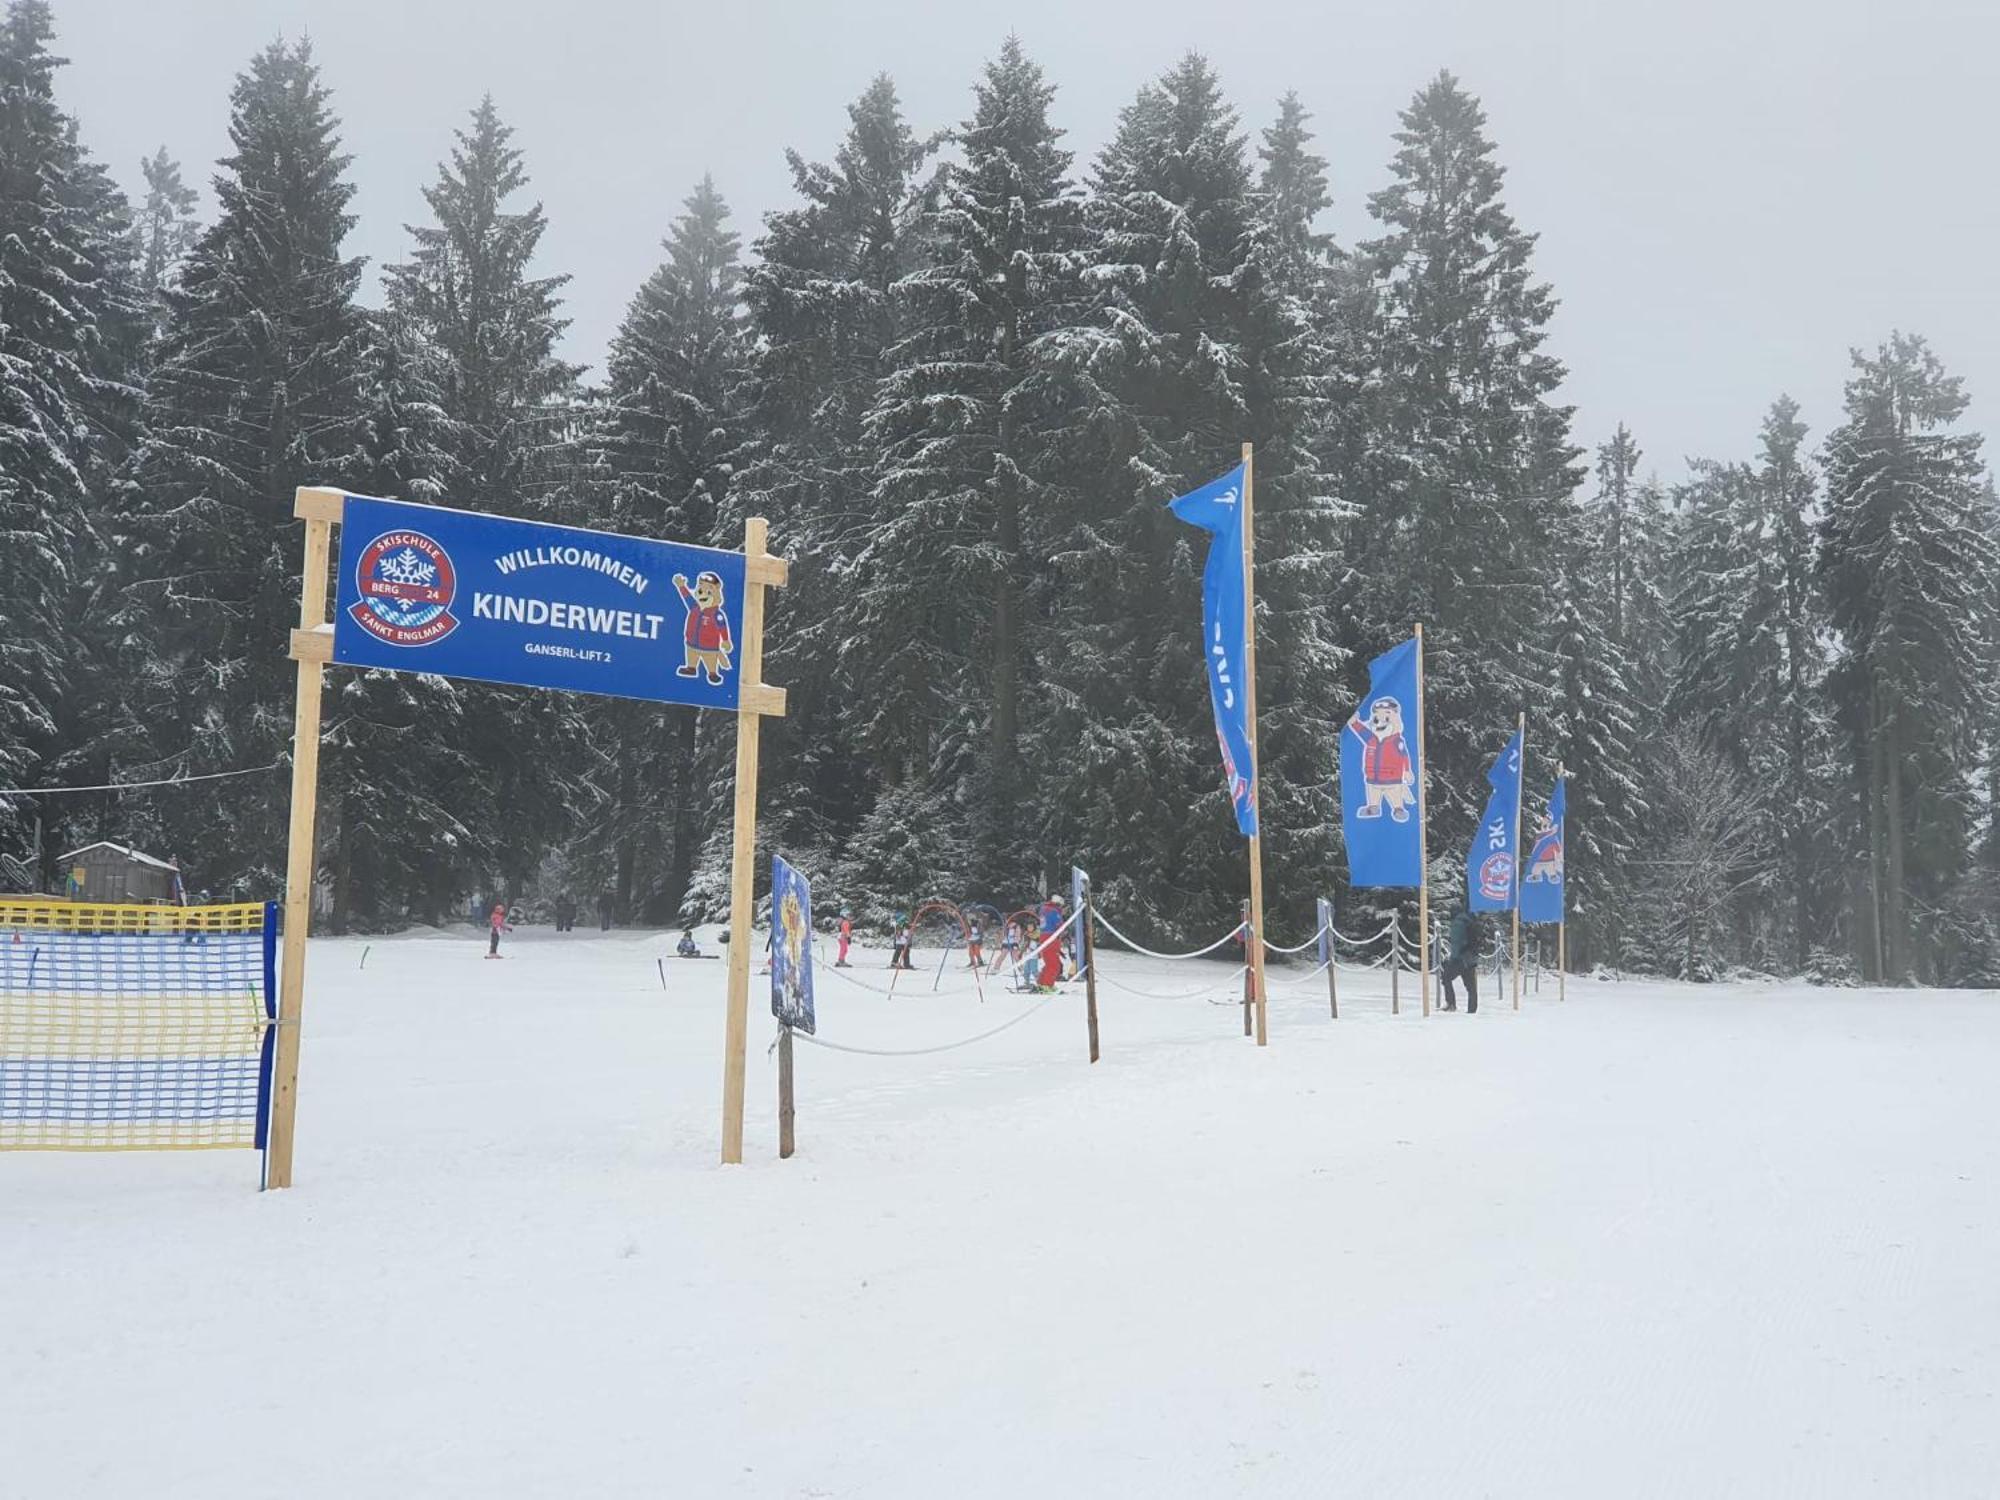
(1545, 864)
(1386, 775)
(707, 642)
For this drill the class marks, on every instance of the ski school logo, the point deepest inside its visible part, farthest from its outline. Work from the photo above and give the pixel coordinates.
(406, 582)
(1496, 877)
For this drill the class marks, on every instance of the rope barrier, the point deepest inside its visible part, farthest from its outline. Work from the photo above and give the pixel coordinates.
(818, 1041)
(1271, 947)
(133, 786)
(1391, 926)
(1228, 937)
(1198, 994)
(876, 989)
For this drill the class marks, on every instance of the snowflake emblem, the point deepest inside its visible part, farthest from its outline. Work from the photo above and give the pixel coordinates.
(407, 566)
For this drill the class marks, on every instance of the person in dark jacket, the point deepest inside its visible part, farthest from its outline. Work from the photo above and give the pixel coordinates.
(1461, 959)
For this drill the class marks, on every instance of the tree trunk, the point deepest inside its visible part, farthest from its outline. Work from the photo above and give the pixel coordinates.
(1876, 858)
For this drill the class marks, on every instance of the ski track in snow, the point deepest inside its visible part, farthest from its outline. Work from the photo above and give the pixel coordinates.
(1657, 1241)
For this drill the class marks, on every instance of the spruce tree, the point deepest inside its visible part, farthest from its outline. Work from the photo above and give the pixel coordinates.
(667, 445)
(964, 430)
(1906, 559)
(1467, 494)
(822, 315)
(401, 760)
(467, 289)
(1205, 293)
(259, 389)
(64, 407)
(486, 329)
(166, 229)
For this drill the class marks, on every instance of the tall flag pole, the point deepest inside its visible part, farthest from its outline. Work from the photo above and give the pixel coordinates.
(1542, 893)
(1520, 772)
(1423, 837)
(1250, 690)
(1229, 643)
(1382, 777)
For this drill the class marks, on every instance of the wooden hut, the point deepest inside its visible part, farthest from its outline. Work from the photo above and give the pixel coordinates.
(112, 872)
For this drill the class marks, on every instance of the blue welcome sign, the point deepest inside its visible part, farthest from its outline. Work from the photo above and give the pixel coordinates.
(426, 589)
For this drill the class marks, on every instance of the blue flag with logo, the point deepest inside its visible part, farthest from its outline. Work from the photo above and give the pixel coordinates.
(1542, 886)
(1490, 862)
(1381, 761)
(1217, 507)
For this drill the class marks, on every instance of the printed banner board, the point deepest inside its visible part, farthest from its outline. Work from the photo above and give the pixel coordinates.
(791, 947)
(426, 589)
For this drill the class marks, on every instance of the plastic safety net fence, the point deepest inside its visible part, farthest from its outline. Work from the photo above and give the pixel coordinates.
(135, 1028)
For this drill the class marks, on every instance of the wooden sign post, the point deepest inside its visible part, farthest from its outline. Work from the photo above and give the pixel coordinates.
(313, 646)
(787, 1111)
(761, 571)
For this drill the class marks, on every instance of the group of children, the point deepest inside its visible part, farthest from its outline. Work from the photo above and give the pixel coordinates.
(1037, 962)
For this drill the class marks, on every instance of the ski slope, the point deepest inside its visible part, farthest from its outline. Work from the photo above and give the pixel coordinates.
(1656, 1241)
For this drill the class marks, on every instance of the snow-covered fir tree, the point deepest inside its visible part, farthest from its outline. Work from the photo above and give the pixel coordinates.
(260, 387)
(936, 656)
(1204, 295)
(70, 335)
(166, 227)
(469, 291)
(666, 449)
(1906, 559)
(822, 311)
(1467, 493)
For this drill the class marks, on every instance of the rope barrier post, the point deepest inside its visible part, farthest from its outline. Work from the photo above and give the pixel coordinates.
(311, 648)
(1396, 967)
(1562, 961)
(1331, 954)
(1089, 920)
(1249, 974)
(786, 1110)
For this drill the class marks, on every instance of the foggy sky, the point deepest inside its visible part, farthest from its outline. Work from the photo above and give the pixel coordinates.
(1729, 195)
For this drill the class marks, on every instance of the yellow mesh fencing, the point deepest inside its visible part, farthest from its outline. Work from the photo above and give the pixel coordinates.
(126, 1027)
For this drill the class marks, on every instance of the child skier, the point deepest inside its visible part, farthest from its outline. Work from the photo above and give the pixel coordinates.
(846, 937)
(496, 922)
(1010, 949)
(975, 944)
(899, 957)
(1051, 945)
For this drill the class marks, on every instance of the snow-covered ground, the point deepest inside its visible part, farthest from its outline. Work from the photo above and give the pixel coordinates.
(1656, 1241)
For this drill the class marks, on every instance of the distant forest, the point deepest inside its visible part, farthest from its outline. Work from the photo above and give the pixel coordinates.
(961, 373)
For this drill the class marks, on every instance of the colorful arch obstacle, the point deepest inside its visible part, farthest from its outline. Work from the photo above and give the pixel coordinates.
(136, 1028)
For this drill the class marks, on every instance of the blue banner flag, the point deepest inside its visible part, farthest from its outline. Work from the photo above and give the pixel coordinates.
(1217, 507)
(425, 589)
(1490, 862)
(1381, 761)
(1542, 886)
(791, 947)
